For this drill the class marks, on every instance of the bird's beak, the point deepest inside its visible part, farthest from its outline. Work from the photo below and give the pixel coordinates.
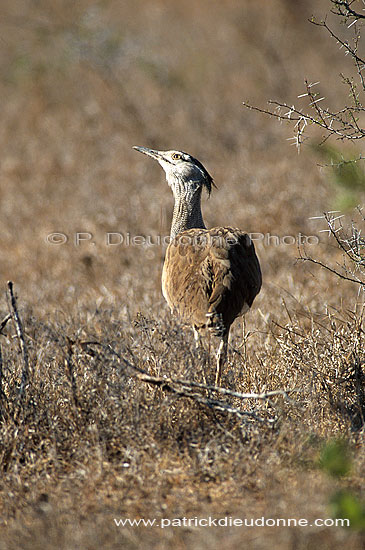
(157, 155)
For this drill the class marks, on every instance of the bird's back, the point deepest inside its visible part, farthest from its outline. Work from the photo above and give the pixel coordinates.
(211, 276)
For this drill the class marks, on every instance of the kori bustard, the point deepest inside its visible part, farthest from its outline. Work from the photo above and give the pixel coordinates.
(210, 276)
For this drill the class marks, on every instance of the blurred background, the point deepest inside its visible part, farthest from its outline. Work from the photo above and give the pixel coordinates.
(84, 82)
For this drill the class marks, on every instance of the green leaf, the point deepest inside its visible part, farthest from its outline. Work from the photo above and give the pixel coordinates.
(335, 459)
(344, 504)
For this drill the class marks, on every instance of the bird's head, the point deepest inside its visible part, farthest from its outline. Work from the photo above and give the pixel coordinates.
(183, 172)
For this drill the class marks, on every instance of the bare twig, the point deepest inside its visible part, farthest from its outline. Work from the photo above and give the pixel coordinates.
(325, 266)
(20, 333)
(4, 322)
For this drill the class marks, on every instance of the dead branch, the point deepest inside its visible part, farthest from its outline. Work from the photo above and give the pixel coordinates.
(328, 268)
(20, 334)
(185, 388)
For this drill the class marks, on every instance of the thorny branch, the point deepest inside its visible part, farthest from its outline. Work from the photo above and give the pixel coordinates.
(343, 124)
(352, 245)
(343, 8)
(345, 44)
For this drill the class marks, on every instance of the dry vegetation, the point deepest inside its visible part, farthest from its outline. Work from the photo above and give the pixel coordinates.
(94, 433)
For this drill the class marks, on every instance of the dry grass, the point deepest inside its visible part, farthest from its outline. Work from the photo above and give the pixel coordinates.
(91, 440)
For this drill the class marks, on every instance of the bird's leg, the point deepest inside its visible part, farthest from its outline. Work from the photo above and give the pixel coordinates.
(221, 357)
(244, 338)
(199, 348)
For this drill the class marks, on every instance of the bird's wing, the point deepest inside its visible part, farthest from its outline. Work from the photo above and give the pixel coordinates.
(211, 273)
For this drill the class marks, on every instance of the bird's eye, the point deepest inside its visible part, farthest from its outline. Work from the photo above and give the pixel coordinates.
(176, 156)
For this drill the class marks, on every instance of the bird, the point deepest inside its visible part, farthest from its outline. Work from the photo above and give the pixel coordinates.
(210, 276)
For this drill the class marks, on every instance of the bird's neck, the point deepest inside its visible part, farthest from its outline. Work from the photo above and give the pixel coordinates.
(187, 212)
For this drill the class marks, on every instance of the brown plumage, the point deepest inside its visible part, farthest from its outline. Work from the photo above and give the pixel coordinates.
(217, 269)
(210, 276)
